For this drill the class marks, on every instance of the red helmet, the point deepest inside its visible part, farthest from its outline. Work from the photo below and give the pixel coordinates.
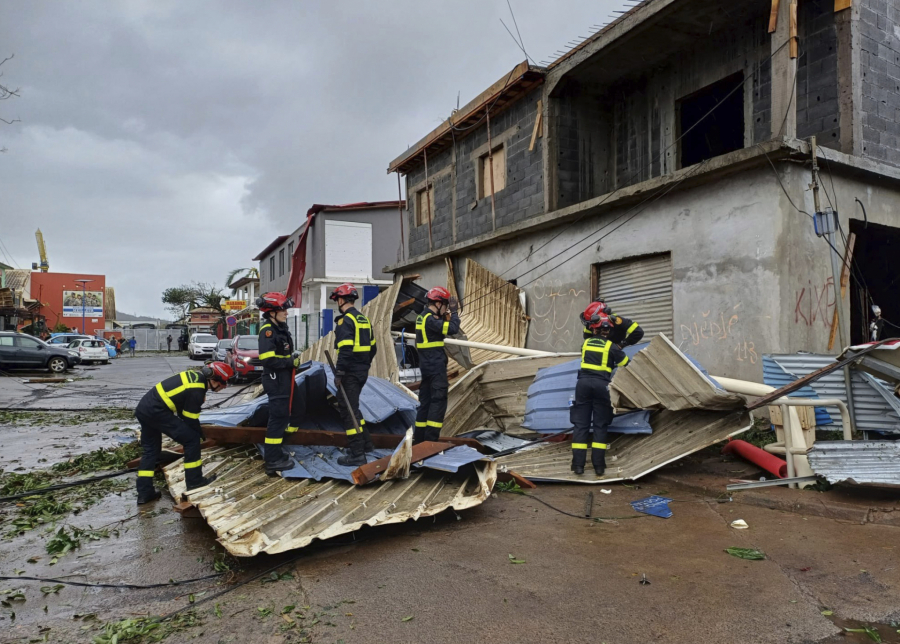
(604, 307)
(438, 294)
(274, 302)
(346, 291)
(600, 321)
(593, 309)
(219, 371)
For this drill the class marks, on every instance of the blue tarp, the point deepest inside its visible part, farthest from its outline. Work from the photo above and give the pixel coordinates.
(320, 462)
(776, 376)
(385, 408)
(657, 506)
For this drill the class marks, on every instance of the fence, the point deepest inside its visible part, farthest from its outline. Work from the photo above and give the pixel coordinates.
(147, 339)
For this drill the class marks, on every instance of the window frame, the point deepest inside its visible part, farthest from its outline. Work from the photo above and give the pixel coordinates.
(272, 268)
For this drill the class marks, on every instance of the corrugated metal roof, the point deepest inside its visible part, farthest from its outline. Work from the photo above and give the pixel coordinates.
(774, 375)
(873, 412)
(17, 279)
(857, 461)
(252, 513)
(453, 459)
(319, 462)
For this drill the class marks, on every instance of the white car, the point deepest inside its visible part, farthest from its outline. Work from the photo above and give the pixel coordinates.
(202, 345)
(91, 351)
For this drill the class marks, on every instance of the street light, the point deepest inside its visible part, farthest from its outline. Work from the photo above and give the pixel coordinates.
(83, 297)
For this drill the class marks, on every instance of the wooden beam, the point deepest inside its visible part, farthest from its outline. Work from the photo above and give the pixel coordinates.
(840, 5)
(404, 304)
(411, 278)
(506, 477)
(773, 17)
(795, 41)
(537, 125)
(257, 435)
(845, 281)
(369, 472)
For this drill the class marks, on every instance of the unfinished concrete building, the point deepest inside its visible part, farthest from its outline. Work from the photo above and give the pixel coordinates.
(665, 164)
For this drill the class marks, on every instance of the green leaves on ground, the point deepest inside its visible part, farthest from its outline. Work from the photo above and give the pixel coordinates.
(11, 595)
(746, 553)
(514, 560)
(52, 590)
(100, 460)
(511, 487)
(153, 628)
(408, 618)
(872, 634)
(273, 577)
(64, 541)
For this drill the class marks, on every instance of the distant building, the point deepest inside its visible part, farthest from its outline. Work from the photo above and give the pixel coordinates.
(203, 320)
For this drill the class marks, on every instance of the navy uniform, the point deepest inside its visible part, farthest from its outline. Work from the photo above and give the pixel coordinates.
(354, 340)
(593, 409)
(172, 408)
(624, 332)
(430, 333)
(276, 348)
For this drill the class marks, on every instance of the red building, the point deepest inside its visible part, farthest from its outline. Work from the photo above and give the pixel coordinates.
(64, 301)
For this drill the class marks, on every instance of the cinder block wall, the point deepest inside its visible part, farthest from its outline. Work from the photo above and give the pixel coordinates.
(818, 109)
(879, 28)
(455, 175)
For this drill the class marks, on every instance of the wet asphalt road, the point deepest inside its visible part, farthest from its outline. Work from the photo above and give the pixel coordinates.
(449, 579)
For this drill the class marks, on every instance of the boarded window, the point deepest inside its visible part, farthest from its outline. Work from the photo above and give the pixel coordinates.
(348, 250)
(498, 158)
(639, 289)
(424, 208)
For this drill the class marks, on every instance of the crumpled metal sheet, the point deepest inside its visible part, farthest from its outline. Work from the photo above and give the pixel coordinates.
(454, 458)
(319, 462)
(252, 513)
(857, 461)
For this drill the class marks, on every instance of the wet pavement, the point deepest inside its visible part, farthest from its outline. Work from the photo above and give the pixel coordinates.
(452, 578)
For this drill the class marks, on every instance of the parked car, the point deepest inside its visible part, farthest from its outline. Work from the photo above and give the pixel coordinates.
(63, 339)
(244, 357)
(222, 349)
(202, 345)
(20, 351)
(92, 351)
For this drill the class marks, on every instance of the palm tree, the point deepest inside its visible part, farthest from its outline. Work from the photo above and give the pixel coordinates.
(243, 272)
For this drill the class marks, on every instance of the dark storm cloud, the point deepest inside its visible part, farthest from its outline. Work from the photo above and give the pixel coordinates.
(163, 142)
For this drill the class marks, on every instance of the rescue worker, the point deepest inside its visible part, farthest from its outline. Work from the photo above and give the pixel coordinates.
(592, 409)
(438, 320)
(172, 408)
(354, 340)
(624, 333)
(276, 352)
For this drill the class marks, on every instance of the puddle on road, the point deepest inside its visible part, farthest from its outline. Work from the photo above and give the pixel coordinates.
(887, 633)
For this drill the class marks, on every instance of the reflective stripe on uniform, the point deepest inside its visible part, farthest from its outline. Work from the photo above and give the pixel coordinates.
(291, 430)
(420, 326)
(579, 445)
(345, 343)
(192, 464)
(604, 351)
(188, 414)
(273, 441)
(362, 322)
(271, 354)
(420, 424)
(631, 329)
(432, 423)
(185, 384)
(146, 472)
(353, 432)
(599, 446)
(446, 328)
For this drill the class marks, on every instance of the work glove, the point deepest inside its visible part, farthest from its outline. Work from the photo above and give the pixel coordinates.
(454, 304)
(296, 356)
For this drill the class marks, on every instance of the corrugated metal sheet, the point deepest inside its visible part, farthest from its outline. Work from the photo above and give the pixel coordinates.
(774, 375)
(453, 459)
(640, 289)
(379, 312)
(18, 279)
(319, 462)
(252, 513)
(873, 412)
(857, 461)
(662, 377)
(492, 312)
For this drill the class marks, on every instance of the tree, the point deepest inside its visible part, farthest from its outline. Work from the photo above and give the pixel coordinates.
(5, 94)
(179, 300)
(209, 296)
(233, 276)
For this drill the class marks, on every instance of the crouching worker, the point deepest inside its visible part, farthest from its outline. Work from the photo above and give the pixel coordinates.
(438, 320)
(592, 408)
(172, 408)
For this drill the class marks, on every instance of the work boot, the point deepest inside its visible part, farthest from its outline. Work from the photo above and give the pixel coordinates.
(148, 497)
(368, 446)
(578, 469)
(202, 481)
(277, 460)
(351, 458)
(598, 460)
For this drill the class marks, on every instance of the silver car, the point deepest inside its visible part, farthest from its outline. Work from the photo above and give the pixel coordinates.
(221, 350)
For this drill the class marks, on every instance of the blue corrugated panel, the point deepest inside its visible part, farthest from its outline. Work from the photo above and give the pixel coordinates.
(320, 462)
(454, 458)
(385, 408)
(775, 376)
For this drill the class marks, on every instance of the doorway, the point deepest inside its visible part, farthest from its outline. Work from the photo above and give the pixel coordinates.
(876, 262)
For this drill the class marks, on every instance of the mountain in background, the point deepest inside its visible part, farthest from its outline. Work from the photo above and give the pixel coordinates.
(128, 317)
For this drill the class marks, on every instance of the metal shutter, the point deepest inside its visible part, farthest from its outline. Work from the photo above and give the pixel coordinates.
(640, 289)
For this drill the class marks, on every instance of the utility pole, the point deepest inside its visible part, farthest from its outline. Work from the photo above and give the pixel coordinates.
(826, 225)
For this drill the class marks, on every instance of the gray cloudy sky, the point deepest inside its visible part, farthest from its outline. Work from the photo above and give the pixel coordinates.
(163, 142)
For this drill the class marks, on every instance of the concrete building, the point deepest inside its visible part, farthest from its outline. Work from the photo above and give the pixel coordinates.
(346, 243)
(665, 163)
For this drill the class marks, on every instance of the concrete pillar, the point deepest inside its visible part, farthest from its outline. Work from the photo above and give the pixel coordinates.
(784, 77)
(849, 55)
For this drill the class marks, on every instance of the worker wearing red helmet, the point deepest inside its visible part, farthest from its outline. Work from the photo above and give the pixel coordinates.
(437, 321)
(276, 352)
(172, 408)
(354, 341)
(624, 332)
(592, 411)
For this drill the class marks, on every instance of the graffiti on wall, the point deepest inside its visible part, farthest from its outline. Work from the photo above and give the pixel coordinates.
(715, 328)
(815, 303)
(554, 318)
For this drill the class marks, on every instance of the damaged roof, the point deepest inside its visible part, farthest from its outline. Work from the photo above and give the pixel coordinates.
(857, 461)
(251, 512)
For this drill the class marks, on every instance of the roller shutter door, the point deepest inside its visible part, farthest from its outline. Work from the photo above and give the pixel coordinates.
(640, 289)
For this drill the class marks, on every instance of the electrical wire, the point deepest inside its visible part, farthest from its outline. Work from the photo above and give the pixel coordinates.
(578, 516)
(85, 584)
(63, 486)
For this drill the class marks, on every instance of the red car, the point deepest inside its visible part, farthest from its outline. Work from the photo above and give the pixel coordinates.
(243, 357)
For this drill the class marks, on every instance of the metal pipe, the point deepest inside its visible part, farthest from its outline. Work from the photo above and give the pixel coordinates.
(789, 455)
(499, 348)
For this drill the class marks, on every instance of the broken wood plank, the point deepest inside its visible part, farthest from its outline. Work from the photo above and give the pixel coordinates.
(795, 41)
(811, 377)
(506, 477)
(538, 120)
(840, 5)
(369, 472)
(773, 16)
(257, 435)
(845, 281)
(411, 278)
(402, 305)
(187, 510)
